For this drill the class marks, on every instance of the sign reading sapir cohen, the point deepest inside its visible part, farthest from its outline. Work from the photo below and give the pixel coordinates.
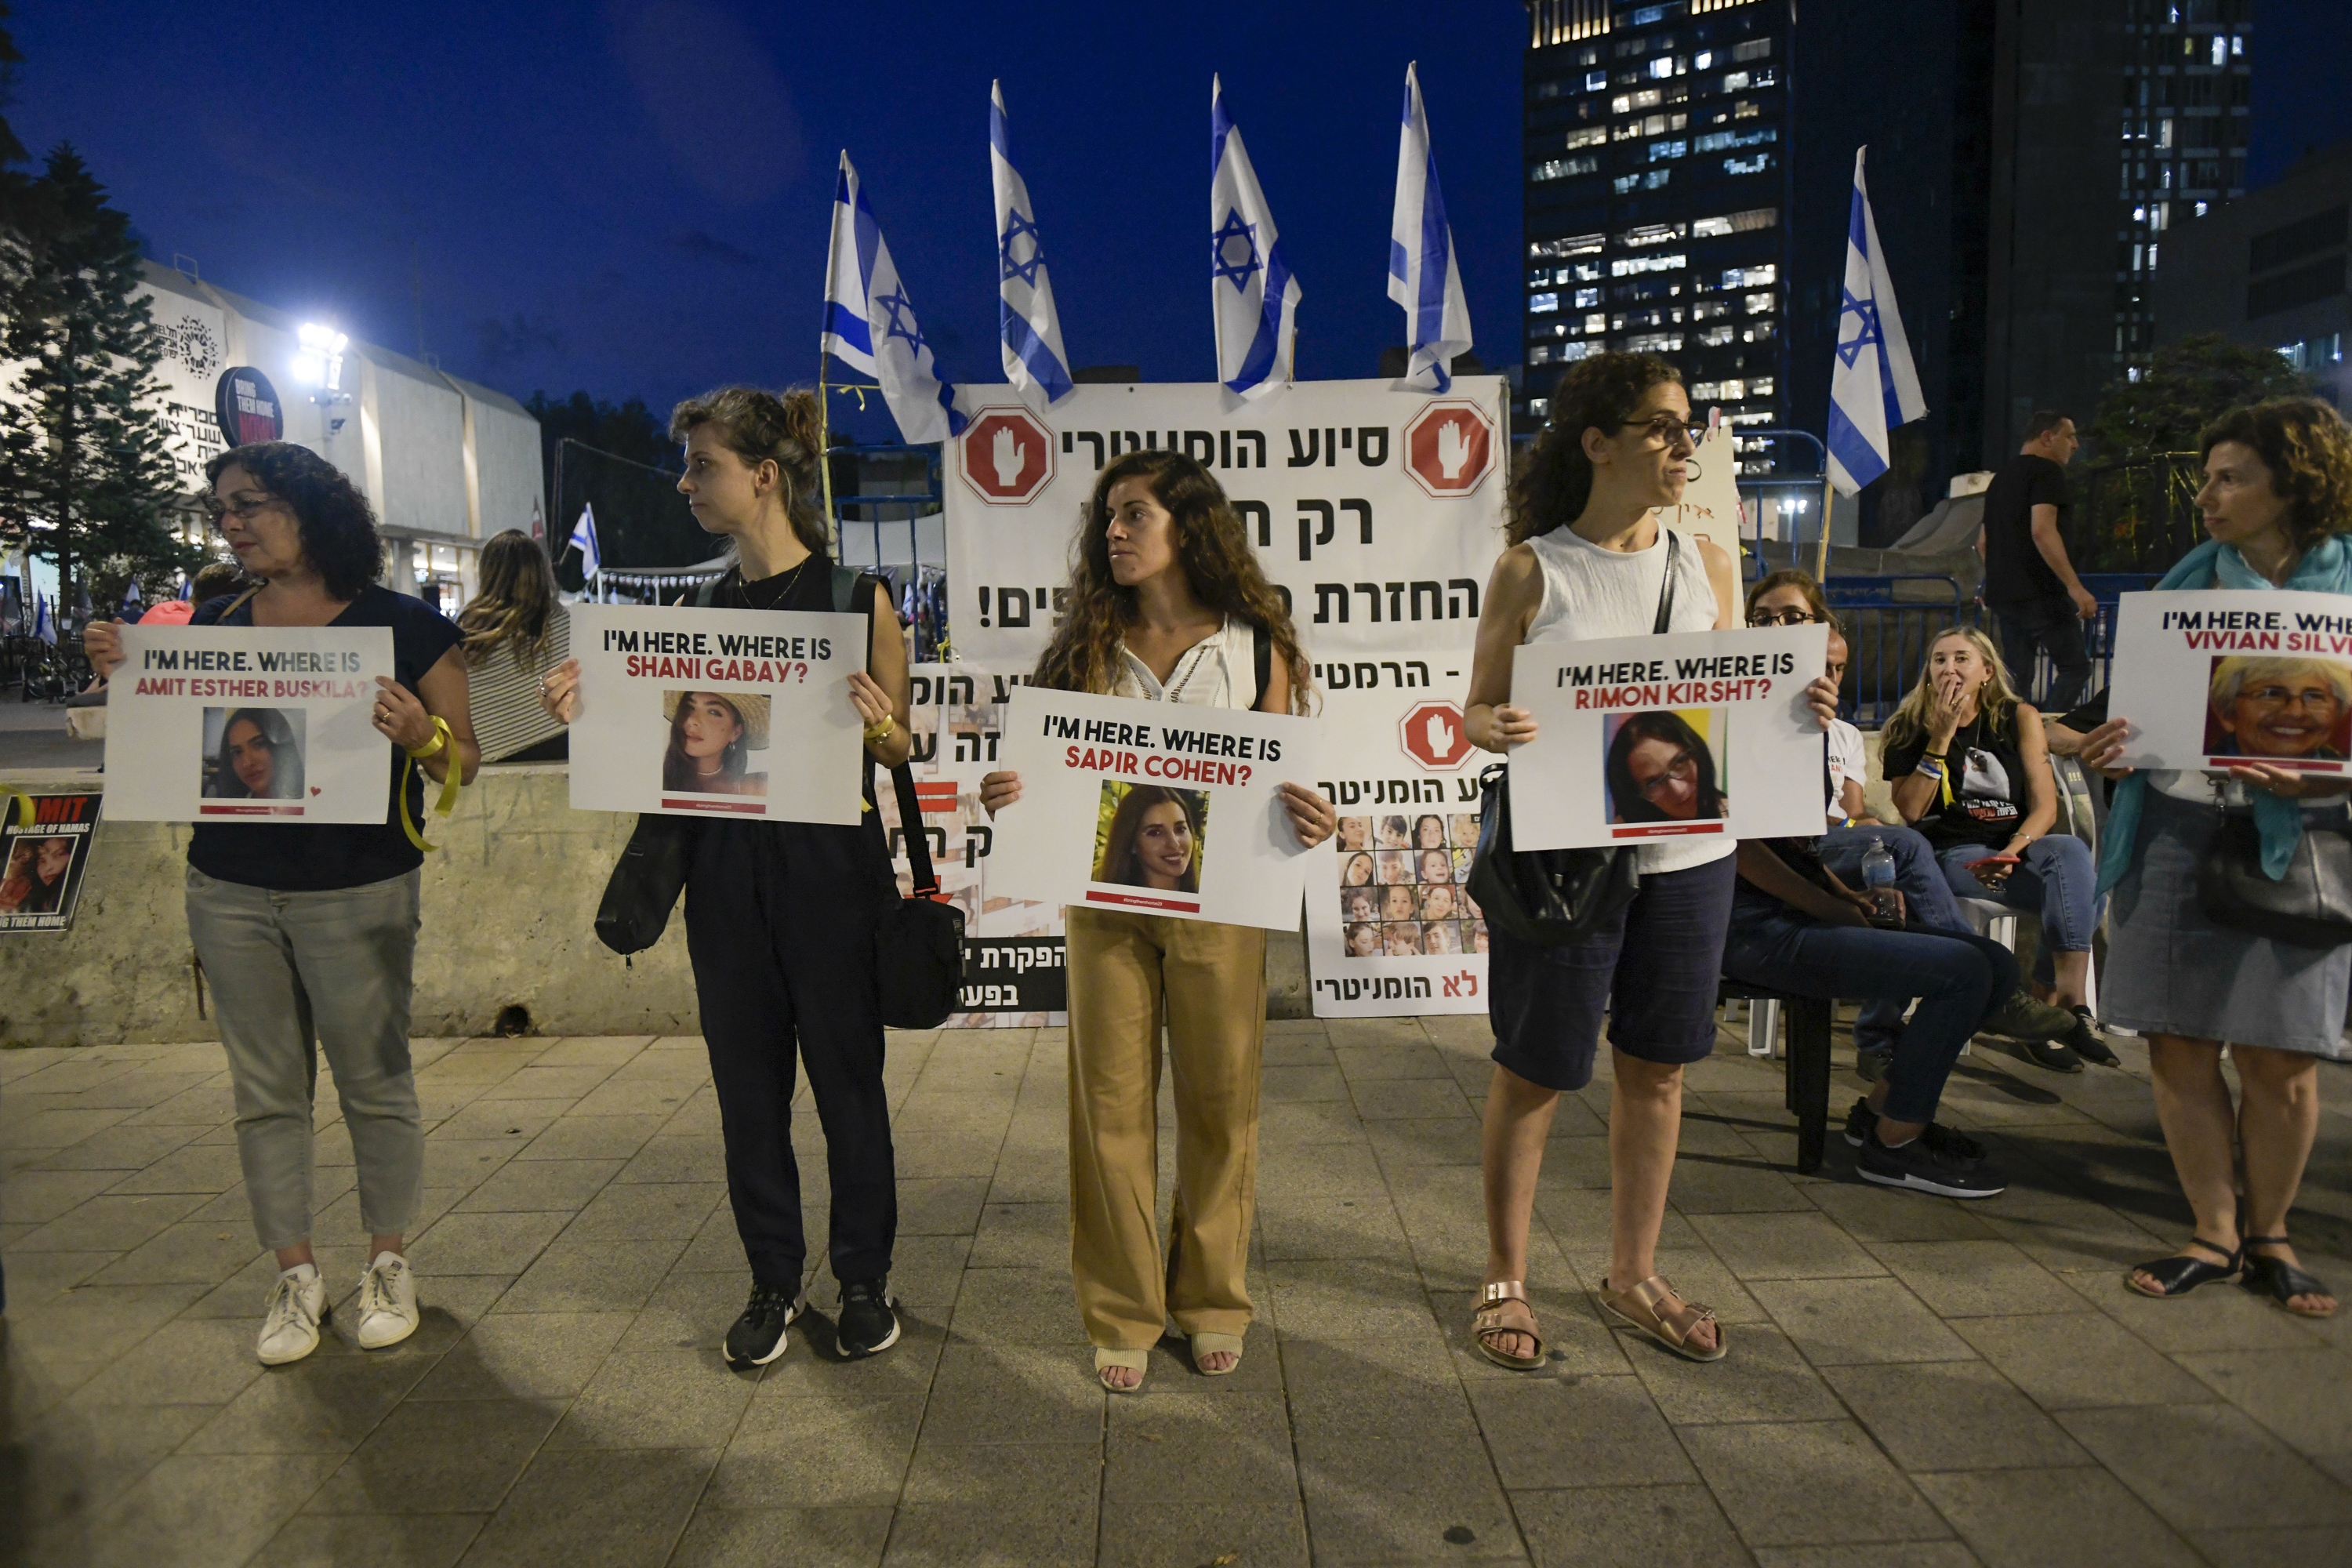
(1690, 734)
(2227, 679)
(248, 724)
(728, 712)
(1377, 513)
(1154, 807)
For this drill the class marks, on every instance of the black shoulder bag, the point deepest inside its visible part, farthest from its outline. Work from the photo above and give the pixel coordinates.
(2311, 906)
(1549, 897)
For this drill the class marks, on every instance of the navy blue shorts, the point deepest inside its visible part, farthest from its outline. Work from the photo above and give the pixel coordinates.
(1653, 970)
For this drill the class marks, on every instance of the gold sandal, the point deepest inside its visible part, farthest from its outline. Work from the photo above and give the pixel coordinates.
(1644, 1309)
(1487, 1324)
(1133, 1361)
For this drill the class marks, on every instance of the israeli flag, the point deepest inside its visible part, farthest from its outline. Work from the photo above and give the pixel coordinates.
(584, 540)
(1423, 275)
(1034, 358)
(1255, 295)
(869, 322)
(44, 628)
(1873, 386)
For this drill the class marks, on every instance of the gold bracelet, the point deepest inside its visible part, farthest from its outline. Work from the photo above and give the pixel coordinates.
(440, 740)
(879, 731)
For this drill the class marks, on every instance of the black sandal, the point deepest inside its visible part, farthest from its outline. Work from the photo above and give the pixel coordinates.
(2279, 1280)
(2180, 1274)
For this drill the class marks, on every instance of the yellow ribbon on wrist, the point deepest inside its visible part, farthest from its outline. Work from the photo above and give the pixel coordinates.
(448, 803)
(879, 731)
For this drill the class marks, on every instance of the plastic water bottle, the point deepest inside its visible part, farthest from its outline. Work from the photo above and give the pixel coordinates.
(1878, 879)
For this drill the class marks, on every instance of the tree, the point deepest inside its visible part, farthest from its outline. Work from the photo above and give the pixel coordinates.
(84, 476)
(2184, 387)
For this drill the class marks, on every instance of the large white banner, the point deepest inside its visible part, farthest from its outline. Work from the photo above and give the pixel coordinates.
(737, 712)
(2227, 679)
(1391, 929)
(1377, 512)
(248, 724)
(1690, 734)
(1155, 807)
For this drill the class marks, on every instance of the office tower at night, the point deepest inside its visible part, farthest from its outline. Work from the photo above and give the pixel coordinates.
(2184, 139)
(1657, 184)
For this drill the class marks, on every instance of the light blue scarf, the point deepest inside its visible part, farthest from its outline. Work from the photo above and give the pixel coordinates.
(2325, 568)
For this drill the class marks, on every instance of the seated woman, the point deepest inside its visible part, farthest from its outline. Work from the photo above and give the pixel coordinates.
(1970, 769)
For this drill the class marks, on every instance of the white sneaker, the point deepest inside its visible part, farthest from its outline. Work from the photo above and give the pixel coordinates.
(387, 1304)
(298, 1305)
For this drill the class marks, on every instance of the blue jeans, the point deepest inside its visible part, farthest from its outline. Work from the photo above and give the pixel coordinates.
(1927, 901)
(1958, 977)
(2056, 881)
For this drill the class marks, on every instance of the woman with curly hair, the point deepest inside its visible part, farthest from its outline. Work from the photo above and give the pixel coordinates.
(309, 930)
(1167, 604)
(2277, 501)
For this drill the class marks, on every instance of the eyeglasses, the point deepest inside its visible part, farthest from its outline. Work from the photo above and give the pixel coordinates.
(243, 511)
(1680, 767)
(1792, 616)
(1666, 430)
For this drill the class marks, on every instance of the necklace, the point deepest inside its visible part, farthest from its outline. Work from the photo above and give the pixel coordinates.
(743, 589)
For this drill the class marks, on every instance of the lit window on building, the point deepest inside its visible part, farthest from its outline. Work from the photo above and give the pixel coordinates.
(1587, 297)
(1714, 337)
(1596, 324)
(1754, 166)
(1661, 151)
(1750, 277)
(1724, 141)
(1589, 136)
(1654, 344)
(1762, 304)
(1539, 304)
(1708, 309)
(1735, 81)
(1595, 81)
(1564, 168)
(1753, 49)
(1627, 266)
(1574, 245)
(1662, 67)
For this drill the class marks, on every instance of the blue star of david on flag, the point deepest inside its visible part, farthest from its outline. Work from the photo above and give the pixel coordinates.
(1423, 276)
(1258, 321)
(1866, 310)
(869, 322)
(1220, 245)
(1029, 327)
(1872, 386)
(902, 322)
(1018, 229)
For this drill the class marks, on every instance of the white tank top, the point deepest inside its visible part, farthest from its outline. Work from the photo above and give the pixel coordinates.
(1590, 592)
(1218, 672)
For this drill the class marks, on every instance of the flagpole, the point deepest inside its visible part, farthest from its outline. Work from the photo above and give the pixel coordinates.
(825, 455)
(1822, 555)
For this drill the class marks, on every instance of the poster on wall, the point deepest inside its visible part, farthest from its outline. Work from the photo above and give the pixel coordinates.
(1687, 735)
(716, 713)
(43, 862)
(1391, 929)
(247, 724)
(1155, 807)
(2223, 679)
(1377, 513)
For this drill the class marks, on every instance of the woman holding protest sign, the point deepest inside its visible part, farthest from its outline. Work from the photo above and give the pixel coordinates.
(1168, 605)
(2277, 502)
(307, 931)
(781, 916)
(1588, 559)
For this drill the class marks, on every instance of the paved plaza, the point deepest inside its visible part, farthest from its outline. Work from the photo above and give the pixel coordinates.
(1973, 1382)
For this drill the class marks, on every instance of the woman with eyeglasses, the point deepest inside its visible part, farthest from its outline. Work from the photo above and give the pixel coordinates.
(1588, 558)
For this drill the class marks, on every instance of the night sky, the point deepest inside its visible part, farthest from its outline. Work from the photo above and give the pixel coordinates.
(633, 196)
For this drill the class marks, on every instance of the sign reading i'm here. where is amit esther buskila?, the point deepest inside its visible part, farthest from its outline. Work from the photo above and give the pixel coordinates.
(248, 724)
(726, 712)
(1376, 512)
(2235, 679)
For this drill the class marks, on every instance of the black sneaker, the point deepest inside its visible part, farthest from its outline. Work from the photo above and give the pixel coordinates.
(1872, 1061)
(1862, 1122)
(2055, 1055)
(868, 1323)
(2088, 1044)
(2024, 1017)
(759, 1336)
(1916, 1167)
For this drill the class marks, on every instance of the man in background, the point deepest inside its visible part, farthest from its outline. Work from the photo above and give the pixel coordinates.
(2029, 584)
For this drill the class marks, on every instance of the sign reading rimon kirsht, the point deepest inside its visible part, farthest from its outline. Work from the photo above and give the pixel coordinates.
(247, 724)
(733, 713)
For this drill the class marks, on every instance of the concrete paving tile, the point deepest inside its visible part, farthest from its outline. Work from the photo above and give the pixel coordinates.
(660, 1211)
(92, 1320)
(1345, 1299)
(2299, 1395)
(1305, 1123)
(514, 1122)
(524, 1355)
(1207, 1451)
(2213, 1318)
(107, 1224)
(56, 1126)
(1402, 1099)
(1951, 1415)
(1408, 1142)
(1022, 1235)
(33, 1277)
(1784, 1246)
(1014, 1394)
(664, 1398)
(464, 1162)
(2078, 1362)
(1871, 1215)
(967, 1151)
(941, 1205)
(1370, 1386)
(207, 1168)
(2079, 1238)
(483, 1243)
(595, 1509)
(36, 1197)
(1548, 1431)
(1402, 1056)
(377, 1540)
(1914, 1554)
(1573, 1161)
(2028, 1518)
(1303, 1225)
(593, 1050)
(1040, 1531)
(326, 1404)
(1018, 1307)
(1976, 1279)
(783, 1538)
(687, 1310)
(536, 1082)
(1602, 1527)
(1837, 1322)
(1394, 1499)
(187, 1362)
(1714, 1184)
(1267, 1532)
(592, 1275)
(70, 1462)
(815, 1367)
(1289, 1085)
(817, 1454)
(193, 1254)
(431, 1456)
(696, 1158)
(523, 1185)
(2254, 1546)
(926, 1271)
(224, 1505)
(718, 1248)
(581, 1135)
(1809, 1483)
(1762, 1378)
(2190, 1463)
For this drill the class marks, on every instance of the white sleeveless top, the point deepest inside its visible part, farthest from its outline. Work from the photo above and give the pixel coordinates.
(1589, 592)
(1218, 672)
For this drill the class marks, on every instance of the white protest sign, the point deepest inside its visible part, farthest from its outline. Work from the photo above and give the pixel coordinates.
(2226, 678)
(1709, 509)
(1155, 807)
(1391, 929)
(736, 713)
(1378, 512)
(248, 724)
(1691, 734)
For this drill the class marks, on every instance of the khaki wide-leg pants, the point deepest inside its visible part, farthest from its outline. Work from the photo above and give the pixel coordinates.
(1125, 971)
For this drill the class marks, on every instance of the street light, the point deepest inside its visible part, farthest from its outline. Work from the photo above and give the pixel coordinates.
(320, 361)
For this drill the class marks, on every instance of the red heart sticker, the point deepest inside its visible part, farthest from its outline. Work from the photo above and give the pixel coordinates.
(314, 789)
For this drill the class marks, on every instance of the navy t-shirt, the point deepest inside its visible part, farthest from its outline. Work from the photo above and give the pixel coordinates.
(316, 857)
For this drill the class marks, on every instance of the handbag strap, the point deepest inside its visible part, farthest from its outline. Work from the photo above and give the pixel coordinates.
(1666, 589)
(911, 823)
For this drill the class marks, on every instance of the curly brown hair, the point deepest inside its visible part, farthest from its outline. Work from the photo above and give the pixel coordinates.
(1211, 545)
(1556, 479)
(764, 427)
(337, 526)
(2309, 450)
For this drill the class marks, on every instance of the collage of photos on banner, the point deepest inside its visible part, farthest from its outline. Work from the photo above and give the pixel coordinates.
(1405, 885)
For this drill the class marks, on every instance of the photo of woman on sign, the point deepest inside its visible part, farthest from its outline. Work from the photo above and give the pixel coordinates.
(259, 755)
(34, 883)
(1155, 838)
(1660, 769)
(2295, 708)
(710, 734)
